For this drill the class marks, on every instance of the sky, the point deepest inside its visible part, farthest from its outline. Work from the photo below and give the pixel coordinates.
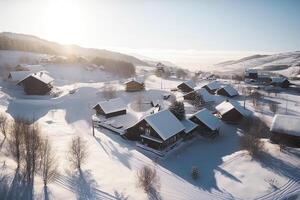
(186, 32)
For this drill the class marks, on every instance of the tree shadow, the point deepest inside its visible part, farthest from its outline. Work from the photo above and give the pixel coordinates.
(153, 194)
(121, 196)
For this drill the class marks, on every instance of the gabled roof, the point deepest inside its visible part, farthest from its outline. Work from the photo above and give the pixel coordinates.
(189, 83)
(251, 71)
(207, 118)
(164, 123)
(205, 95)
(279, 79)
(230, 90)
(112, 105)
(41, 76)
(18, 75)
(188, 125)
(138, 80)
(214, 85)
(287, 124)
(227, 106)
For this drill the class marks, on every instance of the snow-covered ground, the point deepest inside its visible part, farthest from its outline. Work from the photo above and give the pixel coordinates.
(225, 172)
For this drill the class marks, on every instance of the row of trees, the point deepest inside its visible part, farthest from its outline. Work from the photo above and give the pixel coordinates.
(34, 155)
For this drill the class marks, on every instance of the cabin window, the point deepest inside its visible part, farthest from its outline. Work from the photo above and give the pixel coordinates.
(148, 131)
(141, 128)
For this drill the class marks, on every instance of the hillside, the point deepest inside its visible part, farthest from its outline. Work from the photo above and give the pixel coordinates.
(29, 43)
(284, 63)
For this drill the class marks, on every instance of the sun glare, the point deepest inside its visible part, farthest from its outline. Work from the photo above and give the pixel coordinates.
(64, 21)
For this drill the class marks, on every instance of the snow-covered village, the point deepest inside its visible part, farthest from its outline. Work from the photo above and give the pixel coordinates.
(89, 123)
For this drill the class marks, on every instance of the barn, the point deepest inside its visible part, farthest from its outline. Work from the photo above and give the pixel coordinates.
(251, 74)
(111, 108)
(280, 82)
(230, 111)
(187, 86)
(38, 83)
(212, 87)
(227, 91)
(286, 130)
(135, 85)
(153, 132)
(208, 124)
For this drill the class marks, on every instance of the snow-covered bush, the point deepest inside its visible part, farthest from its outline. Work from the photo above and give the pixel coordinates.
(195, 173)
(177, 108)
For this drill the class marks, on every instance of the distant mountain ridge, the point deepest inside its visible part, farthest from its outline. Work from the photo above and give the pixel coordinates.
(30, 43)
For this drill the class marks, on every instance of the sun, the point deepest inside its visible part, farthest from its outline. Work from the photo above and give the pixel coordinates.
(64, 21)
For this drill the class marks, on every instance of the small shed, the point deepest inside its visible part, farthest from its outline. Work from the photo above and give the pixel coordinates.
(286, 130)
(227, 91)
(187, 86)
(135, 85)
(208, 124)
(251, 74)
(157, 131)
(213, 86)
(280, 82)
(230, 111)
(111, 108)
(38, 83)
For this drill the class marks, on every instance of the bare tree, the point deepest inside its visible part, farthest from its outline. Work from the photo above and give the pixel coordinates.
(78, 152)
(273, 107)
(148, 179)
(48, 162)
(4, 124)
(256, 96)
(139, 102)
(195, 173)
(15, 140)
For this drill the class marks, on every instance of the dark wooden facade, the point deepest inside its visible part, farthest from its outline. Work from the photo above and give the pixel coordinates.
(252, 75)
(223, 92)
(232, 116)
(33, 86)
(144, 133)
(282, 138)
(133, 86)
(283, 84)
(185, 88)
(100, 111)
(209, 90)
(203, 129)
(190, 96)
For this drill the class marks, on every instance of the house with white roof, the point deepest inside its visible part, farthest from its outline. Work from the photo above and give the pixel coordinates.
(280, 82)
(213, 86)
(187, 86)
(208, 124)
(227, 91)
(37, 83)
(111, 108)
(286, 130)
(136, 84)
(230, 111)
(157, 131)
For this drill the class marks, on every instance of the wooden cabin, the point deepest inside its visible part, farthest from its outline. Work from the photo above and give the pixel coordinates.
(227, 91)
(187, 86)
(110, 108)
(280, 82)
(208, 124)
(212, 87)
(251, 74)
(135, 85)
(286, 130)
(230, 111)
(157, 131)
(202, 93)
(38, 83)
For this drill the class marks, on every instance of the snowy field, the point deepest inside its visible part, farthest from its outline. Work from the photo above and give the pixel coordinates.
(225, 171)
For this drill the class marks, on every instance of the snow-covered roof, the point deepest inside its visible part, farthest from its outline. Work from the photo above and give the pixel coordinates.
(230, 90)
(139, 80)
(112, 105)
(226, 106)
(278, 79)
(18, 75)
(251, 71)
(165, 124)
(287, 124)
(205, 95)
(214, 85)
(207, 118)
(41, 76)
(189, 83)
(188, 125)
